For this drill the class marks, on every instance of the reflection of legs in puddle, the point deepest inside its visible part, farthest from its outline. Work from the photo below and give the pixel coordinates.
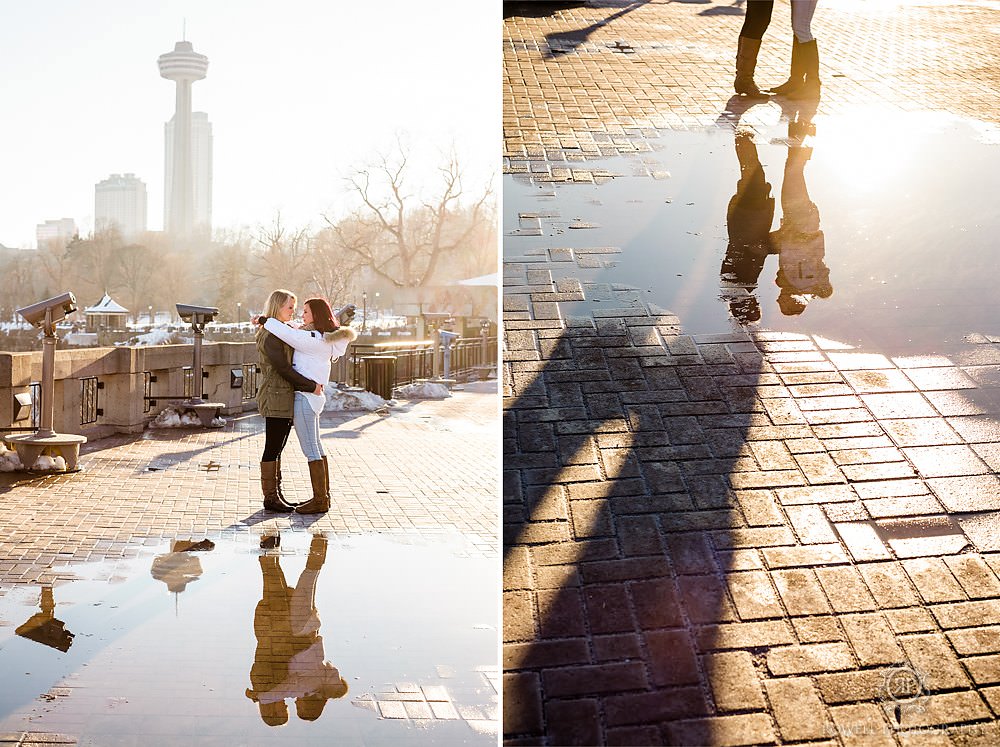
(748, 220)
(316, 680)
(272, 626)
(802, 272)
(289, 660)
(303, 616)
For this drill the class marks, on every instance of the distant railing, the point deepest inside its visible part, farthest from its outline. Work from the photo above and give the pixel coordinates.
(415, 360)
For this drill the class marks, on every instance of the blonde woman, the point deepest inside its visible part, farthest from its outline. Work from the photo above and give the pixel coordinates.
(276, 398)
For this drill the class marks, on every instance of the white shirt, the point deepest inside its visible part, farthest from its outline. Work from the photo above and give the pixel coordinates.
(313, 353)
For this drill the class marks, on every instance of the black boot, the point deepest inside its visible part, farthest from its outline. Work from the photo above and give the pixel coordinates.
(797, 72)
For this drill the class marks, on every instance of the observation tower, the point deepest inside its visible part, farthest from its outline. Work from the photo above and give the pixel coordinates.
(183, 66)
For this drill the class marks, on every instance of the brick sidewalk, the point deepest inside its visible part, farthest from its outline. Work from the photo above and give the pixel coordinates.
(736, 539)
(428, 467)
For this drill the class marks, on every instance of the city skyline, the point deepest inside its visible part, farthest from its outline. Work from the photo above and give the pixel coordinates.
(295, 98)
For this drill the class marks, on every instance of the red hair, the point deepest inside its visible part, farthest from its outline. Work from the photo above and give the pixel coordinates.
(322, 315)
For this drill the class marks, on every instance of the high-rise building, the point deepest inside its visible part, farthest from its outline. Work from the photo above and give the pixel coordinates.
(184, 66)
(61, 230)
(120, 201)
(201, 167)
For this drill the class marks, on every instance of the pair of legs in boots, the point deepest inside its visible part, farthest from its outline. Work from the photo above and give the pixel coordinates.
(275, 436)
(803, 83)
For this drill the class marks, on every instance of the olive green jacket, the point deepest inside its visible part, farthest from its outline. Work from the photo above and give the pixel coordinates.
(278, 380)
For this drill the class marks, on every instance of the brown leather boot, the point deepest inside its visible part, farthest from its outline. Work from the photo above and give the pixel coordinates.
(746, 64)
(269, 487)
(326, 477)
(281, 496)
(319, 503)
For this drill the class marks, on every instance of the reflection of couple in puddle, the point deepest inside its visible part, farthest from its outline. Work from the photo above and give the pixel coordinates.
(289, 660)
(798, 242)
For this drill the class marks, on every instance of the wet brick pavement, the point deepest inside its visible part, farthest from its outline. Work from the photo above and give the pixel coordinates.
(429, 467)
(736, 538)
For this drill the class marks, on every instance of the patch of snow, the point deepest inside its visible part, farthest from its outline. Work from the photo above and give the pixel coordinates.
(338, 400)
(424, 390)
(10, 462)
(172, 416)
(157, 337)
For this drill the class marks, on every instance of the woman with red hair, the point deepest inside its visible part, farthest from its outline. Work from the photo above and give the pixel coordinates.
(320, 340)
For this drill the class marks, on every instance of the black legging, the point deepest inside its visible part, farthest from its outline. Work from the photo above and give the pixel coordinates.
(276, 432)
(757, 18)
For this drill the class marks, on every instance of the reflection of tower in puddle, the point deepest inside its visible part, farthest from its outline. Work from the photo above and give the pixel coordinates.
(289, 661)
(178, 567)
(44, 628)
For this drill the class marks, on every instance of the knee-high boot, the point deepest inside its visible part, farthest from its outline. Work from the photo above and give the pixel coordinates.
(326, 478)
(269, 487)
(809, 89)
(746, 64)
(797, 71)
(320, 502)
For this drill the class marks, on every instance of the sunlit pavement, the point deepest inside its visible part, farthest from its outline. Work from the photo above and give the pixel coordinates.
(779, 532)
(120, 624)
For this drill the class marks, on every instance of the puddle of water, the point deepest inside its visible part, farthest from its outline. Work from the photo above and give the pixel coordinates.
(903, 260)
(239, 645)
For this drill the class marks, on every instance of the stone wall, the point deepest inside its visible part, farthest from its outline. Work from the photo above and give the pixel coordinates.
(121, 371)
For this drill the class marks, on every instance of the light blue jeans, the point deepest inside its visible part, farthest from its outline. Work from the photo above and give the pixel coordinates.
(802, 15)
(306, 421)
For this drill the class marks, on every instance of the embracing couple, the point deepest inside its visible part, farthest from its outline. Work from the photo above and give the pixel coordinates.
(294, 367)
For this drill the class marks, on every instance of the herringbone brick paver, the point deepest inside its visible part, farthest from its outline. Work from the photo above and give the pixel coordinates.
(429, 467)
(745, 537)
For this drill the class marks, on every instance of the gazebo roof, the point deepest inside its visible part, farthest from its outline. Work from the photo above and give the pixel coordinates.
(106, 305)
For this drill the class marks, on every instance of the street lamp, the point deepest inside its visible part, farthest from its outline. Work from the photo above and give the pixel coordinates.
(150, 309)
(364, 310)
(239, 312)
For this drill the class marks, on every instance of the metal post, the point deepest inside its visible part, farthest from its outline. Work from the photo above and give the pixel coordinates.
(364, 311)
(436, 360)
(48, 376)
(198, 389)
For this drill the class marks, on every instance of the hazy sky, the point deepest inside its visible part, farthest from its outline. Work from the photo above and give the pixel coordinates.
(296, 92)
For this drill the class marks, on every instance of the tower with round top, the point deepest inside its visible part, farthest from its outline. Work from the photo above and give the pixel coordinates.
(184, 66)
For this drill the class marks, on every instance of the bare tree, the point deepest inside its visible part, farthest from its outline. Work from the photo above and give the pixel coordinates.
(95, 261)
(403, 237)
(55, 264)
(17, 276)
(333, 272)
(135, 273)
(228, 274)
(282, 257)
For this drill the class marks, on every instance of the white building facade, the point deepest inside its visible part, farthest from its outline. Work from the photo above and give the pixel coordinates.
(120, 201)
(60, 230)
(201, 172)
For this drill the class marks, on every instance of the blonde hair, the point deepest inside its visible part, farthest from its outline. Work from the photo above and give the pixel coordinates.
(278, 298)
